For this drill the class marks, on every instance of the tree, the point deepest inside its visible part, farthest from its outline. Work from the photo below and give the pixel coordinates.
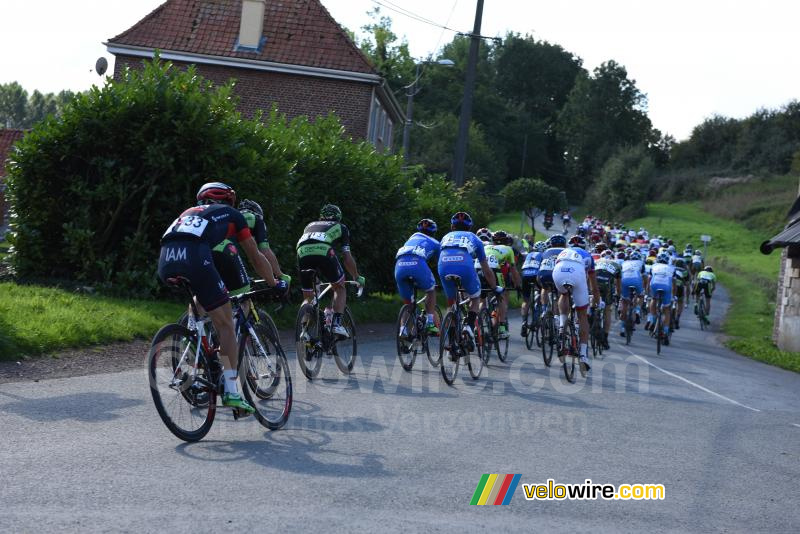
(13, 105)
(532, 196)
(389, 55)
(602, 113)
(623, 187)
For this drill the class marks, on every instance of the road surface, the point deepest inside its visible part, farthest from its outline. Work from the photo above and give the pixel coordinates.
(387, 450)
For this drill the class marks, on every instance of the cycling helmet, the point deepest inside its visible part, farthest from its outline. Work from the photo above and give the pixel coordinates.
(330, 212)
(635, 256)
(688, 246)
(621, 255)
(607, 254)
(709, 269)
(484, 234)
(662, 258)
(653, 252)
(461, 219)
(577, 241)
(600, 247)
(216, 193)
(557, 241)
(670, 242)
(671, 249)
(540, 246)
(252, 206)
(680, 264)
(500, 237)
(427, 227)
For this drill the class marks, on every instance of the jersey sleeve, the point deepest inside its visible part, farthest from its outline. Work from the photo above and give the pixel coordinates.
(259, 229)
(480, 251)
(344, 240)
(240, 227)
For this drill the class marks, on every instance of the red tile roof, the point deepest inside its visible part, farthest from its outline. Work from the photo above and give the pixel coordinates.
(7, 138)
(298, 32)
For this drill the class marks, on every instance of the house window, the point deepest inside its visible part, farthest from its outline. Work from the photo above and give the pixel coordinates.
(380, 127)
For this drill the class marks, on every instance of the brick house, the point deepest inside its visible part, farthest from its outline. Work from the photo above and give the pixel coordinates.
(286, 52)
(7, 140)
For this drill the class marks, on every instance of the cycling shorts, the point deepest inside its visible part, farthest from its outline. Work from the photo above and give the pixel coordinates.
(704, 288)
(627, 283)
(606, 290)
(231, 267)
(498, 278)
(575, 275)
(412, 271)
(666, 299)
(459, 263)
(327, 267)
(529, 282)
(192, 260)
(546, 279)
(680, 292)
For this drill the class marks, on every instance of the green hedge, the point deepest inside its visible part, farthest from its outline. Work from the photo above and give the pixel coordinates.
(93, 190)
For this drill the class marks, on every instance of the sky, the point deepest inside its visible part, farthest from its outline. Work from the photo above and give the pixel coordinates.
(692, 58)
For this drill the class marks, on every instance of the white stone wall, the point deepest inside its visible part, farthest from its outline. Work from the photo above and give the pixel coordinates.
(788, 316)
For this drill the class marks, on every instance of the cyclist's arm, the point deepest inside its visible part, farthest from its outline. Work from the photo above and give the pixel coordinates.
(273, 261)
(260, 263)
(515, 276)
(488, 273)
(350, 264)
(594, 286)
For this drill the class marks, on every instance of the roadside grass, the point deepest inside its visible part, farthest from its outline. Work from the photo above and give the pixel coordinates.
(36, 320)
(750, 277)
(4, 246)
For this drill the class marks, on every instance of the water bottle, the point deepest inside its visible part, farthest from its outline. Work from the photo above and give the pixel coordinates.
(328, 317)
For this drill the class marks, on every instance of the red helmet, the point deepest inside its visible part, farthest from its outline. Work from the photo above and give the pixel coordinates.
(216, 192)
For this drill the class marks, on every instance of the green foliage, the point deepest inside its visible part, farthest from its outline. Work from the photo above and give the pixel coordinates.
(530, 194)
(18, 110)
(438, 198)
(93, 191)
(622, 189)
(389, 55)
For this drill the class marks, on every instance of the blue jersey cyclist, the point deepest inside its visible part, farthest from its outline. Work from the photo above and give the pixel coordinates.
(555, 245)
(460, 248)
(411, 268)
(186, 252)
(530, 273)
(661, 281)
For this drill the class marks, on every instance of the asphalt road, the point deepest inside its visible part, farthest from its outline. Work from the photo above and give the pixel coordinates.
(386, 450)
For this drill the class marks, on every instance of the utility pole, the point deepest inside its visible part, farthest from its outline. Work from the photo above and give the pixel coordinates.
(410, 90)
(466, 106)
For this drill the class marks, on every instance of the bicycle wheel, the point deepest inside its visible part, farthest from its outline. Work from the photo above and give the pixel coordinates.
(406, 336)
(570, 350)
(307, 340)
(701, 312)
(485, 327)
(344, 351)
(476, 358)
(266, 381)
(548, 339)
(529, 329)
(434, 357)
(449, 341)
(629, 323)
(658, 327)
(186, 405)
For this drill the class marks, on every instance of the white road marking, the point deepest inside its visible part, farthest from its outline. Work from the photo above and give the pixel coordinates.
(698, 386)
(795, 424)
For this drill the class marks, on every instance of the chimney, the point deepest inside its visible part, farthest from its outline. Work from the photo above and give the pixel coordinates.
(251, 28)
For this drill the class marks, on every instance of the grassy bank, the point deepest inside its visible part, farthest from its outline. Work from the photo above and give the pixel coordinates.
(750, 277)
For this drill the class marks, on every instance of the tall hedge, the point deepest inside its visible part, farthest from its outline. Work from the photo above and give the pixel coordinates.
(93, 191)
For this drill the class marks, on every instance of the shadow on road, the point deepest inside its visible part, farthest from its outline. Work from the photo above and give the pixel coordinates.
(87, 407)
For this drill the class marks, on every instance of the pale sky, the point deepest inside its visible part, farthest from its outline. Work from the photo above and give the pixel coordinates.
(693, 58)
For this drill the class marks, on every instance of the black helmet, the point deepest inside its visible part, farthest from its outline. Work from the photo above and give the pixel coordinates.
(216, 193)
(330, 212)
(500, 237)
(461, 219)
(427, 227)
(557, 241)
(252, 206)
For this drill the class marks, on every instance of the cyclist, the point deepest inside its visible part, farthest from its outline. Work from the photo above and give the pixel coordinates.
(316, 250)
(633, 275)
(254, 216)
(661, 279)
(609, 276)
(548, 219)
(706, 283)
(697, 262)
(575, 266)
(555, 245)
(682, 280)
(186, 251)
(460, 248)
(530, 273)
(566, 219)
(411, 261)
(504, 254)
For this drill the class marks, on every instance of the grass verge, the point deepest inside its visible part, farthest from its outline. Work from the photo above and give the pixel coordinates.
(750, 277)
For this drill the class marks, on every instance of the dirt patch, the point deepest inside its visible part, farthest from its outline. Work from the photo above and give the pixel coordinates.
(124, 357)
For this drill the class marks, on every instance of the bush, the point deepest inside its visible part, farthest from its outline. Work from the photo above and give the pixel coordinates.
(93, 191)
(438, 198)
(623, 186)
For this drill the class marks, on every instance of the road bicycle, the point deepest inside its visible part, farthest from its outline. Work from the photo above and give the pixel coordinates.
(658, 327)
(597, 330)
(630, 314)
(493, 340)
(568, 351)
(314, 337)
(549, 329)
(411, 332)
(185, 371)
(532, 319)
(700, 300)
(455, 344)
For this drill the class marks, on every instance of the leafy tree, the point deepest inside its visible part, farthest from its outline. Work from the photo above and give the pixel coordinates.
(532, 196)
(623, 187)
(13, 105)
(388, 53)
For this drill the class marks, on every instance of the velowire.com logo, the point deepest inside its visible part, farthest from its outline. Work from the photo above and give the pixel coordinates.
(495, 489)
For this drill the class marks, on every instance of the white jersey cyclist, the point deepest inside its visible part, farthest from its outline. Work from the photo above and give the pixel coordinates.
(572, 267)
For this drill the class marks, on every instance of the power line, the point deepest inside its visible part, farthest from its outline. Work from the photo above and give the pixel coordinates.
(412, 15)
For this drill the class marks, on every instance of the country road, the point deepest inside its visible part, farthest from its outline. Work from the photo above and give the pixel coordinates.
(386, 450)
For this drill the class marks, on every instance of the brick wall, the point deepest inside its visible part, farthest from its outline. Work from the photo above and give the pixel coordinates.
(295, 95)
